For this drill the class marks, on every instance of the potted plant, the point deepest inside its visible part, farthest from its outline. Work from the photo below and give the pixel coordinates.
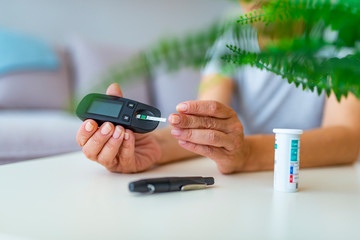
(324, 57)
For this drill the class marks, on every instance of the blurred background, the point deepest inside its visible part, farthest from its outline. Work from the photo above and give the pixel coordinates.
(54, 50)
(131, 23)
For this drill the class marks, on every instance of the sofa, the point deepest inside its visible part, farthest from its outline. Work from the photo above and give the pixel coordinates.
(35, 120)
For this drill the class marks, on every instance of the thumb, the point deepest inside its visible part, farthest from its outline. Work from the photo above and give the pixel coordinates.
(114, 90)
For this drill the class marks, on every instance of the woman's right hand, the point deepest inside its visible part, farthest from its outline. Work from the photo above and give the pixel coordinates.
(115, 148)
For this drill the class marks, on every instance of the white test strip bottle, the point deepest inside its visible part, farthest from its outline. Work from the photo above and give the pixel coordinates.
(287, 159)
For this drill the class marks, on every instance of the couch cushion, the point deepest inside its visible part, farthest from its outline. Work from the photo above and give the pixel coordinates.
(92, 62)
(32, 134)
(37, 88)
(20, 52)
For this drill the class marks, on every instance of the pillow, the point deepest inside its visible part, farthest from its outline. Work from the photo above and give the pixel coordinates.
(39, 89)
(18, 53)
(91, 63)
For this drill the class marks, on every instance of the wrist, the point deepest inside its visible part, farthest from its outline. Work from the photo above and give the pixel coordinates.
(261, 153)
(246, 163)
(160, 142)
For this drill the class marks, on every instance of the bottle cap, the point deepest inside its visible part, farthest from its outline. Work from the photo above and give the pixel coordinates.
(288, 131)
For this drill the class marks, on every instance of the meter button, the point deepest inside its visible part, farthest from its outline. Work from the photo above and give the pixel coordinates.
(131, 105)
(126, 118)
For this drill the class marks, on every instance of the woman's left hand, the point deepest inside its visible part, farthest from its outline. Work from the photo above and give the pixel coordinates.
(211, 129)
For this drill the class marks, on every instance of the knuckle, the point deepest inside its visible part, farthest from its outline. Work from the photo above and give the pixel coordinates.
(189, 134)
(187, 120)
(209, 123)
(87, 153)
(238, 127)
(192, 106)
(112, 169)
(227, 167)
(103, 160)
(233, 113)
(112, 146)
(213, 137)
(195, 107)
(197, 148)
(96, 140)
(192, 121)
(233, 146)
(214, 107)
(127, 169)
(208, 151)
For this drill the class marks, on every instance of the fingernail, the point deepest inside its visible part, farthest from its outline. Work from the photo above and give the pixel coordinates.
(106, 129)
(182, 142)
(127, 136)
(176, 132)
(175, 119)
(89, 127)
(118, 132)
(182, 107)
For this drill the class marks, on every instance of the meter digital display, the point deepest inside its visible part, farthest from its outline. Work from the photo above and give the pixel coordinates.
(105, 108)
(133, 115)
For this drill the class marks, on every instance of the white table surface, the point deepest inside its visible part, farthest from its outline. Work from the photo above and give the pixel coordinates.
(70, 197)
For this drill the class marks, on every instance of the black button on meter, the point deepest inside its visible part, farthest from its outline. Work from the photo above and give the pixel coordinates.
(119, 111)
(126, 118)
(131, 105)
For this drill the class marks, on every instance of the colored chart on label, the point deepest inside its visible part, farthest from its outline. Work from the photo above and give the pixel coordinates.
(294, 162)
(294, 150)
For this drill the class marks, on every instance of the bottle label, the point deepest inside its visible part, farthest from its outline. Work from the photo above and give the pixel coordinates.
(294, 161)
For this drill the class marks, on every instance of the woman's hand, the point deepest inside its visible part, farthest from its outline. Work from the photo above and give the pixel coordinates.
(115, 148)
(211, 129)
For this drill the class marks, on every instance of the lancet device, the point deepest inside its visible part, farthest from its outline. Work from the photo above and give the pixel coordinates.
(133, 115)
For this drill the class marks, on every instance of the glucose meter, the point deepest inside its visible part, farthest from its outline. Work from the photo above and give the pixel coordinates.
(133, 115)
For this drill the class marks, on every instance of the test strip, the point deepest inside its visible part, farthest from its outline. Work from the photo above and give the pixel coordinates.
(150, 118)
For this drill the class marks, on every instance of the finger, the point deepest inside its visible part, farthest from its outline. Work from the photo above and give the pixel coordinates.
(204, 137)
(94, 145)
(190, 121)
(205, 108)
(107, 156)
(86, 130)
(114, 90)
(126, 158)
(204, 150)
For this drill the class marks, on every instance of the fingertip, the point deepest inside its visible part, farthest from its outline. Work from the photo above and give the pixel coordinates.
(110, 123)
(106, 128)
(89, 125)
(182, 107)
(174, 119)
(92, 121)
(128, 134)
(87, 128)
(119, 132)
(114, 90)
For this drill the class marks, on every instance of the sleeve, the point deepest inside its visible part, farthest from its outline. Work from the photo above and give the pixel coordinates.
(244, 37)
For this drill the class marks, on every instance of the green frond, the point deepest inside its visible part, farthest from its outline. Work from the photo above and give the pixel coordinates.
(299, 59)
